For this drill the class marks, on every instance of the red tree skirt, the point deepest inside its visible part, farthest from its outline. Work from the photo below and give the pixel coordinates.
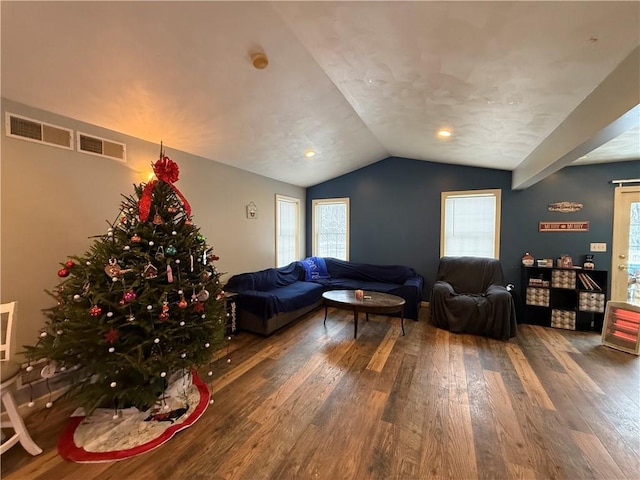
(100, 438)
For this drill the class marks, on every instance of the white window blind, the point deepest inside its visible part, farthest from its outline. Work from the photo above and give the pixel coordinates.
(331, 228)
(287, 230)
(471, 223)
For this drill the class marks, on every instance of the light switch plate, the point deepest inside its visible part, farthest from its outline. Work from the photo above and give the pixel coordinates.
(598, 247)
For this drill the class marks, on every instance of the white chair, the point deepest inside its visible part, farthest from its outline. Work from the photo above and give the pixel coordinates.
(9, 372)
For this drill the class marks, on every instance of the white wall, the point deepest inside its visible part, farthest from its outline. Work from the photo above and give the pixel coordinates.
(53, 200)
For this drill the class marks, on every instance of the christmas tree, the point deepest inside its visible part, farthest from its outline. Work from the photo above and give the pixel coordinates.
(143, 303)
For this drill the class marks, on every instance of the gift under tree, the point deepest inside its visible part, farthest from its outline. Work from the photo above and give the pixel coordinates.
(143, 303)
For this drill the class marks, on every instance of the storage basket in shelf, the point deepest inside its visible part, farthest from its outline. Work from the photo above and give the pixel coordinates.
(591, 302)
(537, 296)
(563, 319)
(563, 278)
(621, 329)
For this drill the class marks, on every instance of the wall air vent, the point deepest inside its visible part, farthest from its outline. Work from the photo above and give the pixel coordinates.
(24, 128)
(102, 147)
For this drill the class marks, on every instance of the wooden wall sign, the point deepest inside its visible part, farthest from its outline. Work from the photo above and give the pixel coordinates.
(563, 227)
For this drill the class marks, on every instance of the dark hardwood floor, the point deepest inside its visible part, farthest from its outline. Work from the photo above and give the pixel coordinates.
(311, 403)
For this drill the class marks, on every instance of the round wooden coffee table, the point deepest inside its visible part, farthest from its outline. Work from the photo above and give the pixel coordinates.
(373, 302)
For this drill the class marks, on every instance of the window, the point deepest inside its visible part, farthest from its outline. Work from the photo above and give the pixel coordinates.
(470, 223)
(287, 230)
(331, 228)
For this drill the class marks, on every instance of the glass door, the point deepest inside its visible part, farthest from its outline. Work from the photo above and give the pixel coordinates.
(625, 261)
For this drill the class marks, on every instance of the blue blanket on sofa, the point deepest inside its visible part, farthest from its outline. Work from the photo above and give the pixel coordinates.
(315, 268)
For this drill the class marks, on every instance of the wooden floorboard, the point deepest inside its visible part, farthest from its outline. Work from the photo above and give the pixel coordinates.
(310, 402)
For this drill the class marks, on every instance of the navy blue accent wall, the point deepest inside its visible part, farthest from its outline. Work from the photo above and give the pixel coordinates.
(395, 211)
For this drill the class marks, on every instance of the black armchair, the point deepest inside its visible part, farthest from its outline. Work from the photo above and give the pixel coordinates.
(469, 296)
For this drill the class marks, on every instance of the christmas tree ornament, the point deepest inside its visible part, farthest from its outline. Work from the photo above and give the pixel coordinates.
(151, 243)
(182, 323)
(48, 371)
(77, 297)
(198, 307)
(171, 250)
(169, 274)
(112, 269)
(149, 307)
(156, 340)
(174, 233)
(172, 209)
(49, 404)
(164, 314)
(201, 238)
(136, 238)
(63, 272)
(131, 318)
(129, 296)
(113, 384)
(183, 355)
(43, 334)
(88, 263)
(112, 335)
(205, 275)
(182, 303)
(109, 314)
(207, 345)
(159, 253)
(163, 374)
(203, 295)
(59, 332)
(29, 368)
(150, 271)
(177, 261)
(111, 350)
(95, 311)
(69, 264)
(126, 248)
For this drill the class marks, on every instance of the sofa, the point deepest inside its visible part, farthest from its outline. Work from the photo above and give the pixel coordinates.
(270, 299)
(469, 296)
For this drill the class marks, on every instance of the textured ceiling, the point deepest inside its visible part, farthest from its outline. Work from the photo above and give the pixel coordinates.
(354, 81)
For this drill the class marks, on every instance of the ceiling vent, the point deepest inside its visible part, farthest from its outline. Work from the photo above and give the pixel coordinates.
(102, 147)
(39, 132)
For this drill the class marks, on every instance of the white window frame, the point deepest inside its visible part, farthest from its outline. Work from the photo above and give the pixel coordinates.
(296, 203)
(496, 193)
(329, 201)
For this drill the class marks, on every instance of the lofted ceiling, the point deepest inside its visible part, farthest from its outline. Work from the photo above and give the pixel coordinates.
(523, 86)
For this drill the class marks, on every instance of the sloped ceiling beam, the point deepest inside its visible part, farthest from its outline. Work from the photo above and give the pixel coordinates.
(610, 110)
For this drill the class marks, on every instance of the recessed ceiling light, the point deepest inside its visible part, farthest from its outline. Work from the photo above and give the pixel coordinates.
(444, 133)
(310, 154)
